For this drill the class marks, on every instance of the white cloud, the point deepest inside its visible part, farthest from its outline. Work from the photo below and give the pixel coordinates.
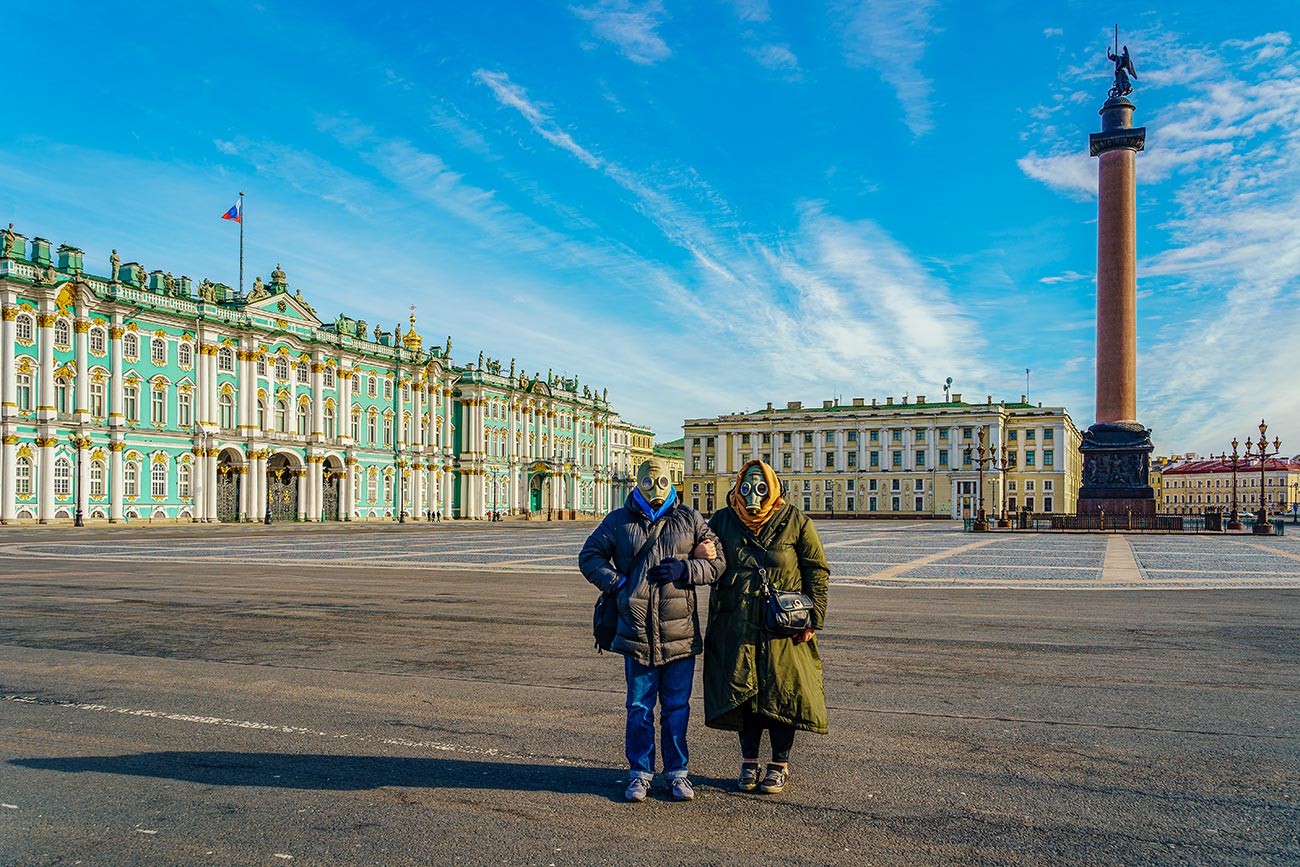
(890, 37)
(514, 96)
(1049, 32)
(751, 10)
(632, 27)
(775, 57)
(1067, 277)
(1072, 173)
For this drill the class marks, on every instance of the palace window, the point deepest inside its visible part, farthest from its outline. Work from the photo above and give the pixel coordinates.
(261, 414)
(261, 365)
(807, 437)
(23, 477)
(61, 395)
(184, 409)
(282, 416)
(896, 434)
(98, 341)
(919, 435)
(920, 504)
(785, 438)
(1047, 436)
(131, 479)
(372, 430)
(183, 481)
(830, 437)
(1029, 436)
(1049, 458)
(388, 389)
(1013, 435)
(1047, 485)
(895, 484)
(131, 347)
(406, 432)
(830, 460)
(356, 383)
(282, 369)
(371, 385)
(226, 360)
(918, 485)
(388, 432)
(97, 399)
(226, 408)
(131, 402)
(875, 460)
(787, 462)
(185, 355)
(330, 423)
(158, 350)
(25, 392)
(896, 459)
(873, 436)
(872, 504)
(304, 417)
(62, 333)
(943, 433)
(158, 480)
(1029, 457)
(807, 461)
(372, 487)
(356, 427)
(62, 477)
(96, 478)
(967, 432)
(406, 397)
(943, 457)
(24, 329)
(329, 377)
(872, 484)
(158, 405)
(919, 459)
(302, 372)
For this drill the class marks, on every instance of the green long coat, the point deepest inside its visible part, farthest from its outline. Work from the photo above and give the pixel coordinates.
(744, 666)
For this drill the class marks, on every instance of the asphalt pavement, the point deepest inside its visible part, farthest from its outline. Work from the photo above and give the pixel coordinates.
(158, 712)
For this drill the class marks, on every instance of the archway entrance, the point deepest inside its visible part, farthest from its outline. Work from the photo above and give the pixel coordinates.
(332, 486)
(539, 486)
(229, 482)
(282, 488)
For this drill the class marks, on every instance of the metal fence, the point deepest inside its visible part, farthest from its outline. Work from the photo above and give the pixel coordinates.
(1166, 524)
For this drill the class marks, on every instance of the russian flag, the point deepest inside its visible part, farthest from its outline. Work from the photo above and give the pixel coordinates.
(235, 213)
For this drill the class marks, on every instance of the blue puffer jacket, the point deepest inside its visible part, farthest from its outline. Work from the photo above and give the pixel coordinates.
(657, 623)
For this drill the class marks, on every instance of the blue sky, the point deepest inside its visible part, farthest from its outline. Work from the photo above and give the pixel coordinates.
(702, 206)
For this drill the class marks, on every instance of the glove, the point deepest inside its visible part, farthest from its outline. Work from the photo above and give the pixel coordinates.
(667, 571)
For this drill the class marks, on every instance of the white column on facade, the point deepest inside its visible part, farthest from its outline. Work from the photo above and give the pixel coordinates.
(212, 477)
(116, 488)
(200, 381)
(301, 476)
(345, 404)
(45, 402)
(317, 398)
(81, 404)
(115, 332)
(270, 391)
(9, 381)
(291, 417)
(247, 386)
(81, 489)
(245, 494)
(45, 486)
(9, 467)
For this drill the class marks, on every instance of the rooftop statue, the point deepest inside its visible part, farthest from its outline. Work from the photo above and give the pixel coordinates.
(1124, 71)
(7, 239)
(259, 291)
(207, 291)
(114, 262)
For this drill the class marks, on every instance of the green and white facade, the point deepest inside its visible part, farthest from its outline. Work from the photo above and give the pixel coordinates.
(142, 396)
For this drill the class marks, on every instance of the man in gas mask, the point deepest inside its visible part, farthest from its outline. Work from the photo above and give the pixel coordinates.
(653, 552)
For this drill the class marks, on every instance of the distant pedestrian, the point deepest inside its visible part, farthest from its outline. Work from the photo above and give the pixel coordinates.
(643, 553)
(754, 680)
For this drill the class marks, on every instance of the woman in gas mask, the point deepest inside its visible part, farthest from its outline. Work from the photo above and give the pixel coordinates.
(755, 679)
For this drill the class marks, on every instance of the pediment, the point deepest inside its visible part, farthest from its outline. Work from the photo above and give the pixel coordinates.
(284, 306)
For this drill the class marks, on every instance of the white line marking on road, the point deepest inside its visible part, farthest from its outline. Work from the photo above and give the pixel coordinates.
(929, 558)
(1120, 566)
(438, 746)
(9, 806)
(144, 831)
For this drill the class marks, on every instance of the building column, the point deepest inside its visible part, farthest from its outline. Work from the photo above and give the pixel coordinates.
(115, 419)
(301, 475)
(318, 401)
(212, 476)
(116, 490)
(81, 486)
(45, 396)
(245, 495)
(45, 481)
(247, 389)
(81, 402)
(9, 459)
(9, 384)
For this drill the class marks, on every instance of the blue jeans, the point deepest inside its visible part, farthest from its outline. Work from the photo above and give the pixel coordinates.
(670, 685)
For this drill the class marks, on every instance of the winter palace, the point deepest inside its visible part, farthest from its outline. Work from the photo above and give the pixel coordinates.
(142, 396)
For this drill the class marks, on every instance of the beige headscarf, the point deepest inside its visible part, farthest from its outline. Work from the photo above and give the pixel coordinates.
(770, 505)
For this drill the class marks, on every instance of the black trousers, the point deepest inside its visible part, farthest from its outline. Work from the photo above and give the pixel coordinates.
(751, 736)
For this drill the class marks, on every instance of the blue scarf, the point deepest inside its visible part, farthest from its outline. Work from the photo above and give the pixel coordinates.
(650, 512)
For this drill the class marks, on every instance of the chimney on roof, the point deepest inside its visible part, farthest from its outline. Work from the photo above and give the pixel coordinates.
(827, 404)
(794, 404)
(874, 402)
(857, 401)
(769, 406)
(1024, 398)
(920, 399)
(904, 400)
(956, 398)
(889, 401)
(990, 400)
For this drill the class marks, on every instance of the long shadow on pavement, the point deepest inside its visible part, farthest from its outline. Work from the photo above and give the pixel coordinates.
(341, 773)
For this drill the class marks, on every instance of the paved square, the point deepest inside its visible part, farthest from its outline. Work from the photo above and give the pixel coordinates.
(335, 696)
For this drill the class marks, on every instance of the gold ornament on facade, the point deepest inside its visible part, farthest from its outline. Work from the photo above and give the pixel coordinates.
(10, 313)
(47, 320)
(46, 442)
(11, 440)
(116, 331)
(116, 447)
(81, 326)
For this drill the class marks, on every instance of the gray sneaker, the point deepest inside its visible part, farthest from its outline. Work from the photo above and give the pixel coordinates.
(637, 789)
(682, 790)
(748, 781)
(775, 779)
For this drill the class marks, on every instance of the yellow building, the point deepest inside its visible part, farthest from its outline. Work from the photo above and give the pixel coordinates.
(905, 459)
(1192, 485)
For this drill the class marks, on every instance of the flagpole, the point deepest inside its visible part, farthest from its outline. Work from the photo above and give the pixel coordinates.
(241, 245)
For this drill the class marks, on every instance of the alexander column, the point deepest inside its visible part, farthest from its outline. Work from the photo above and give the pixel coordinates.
(1117, 449)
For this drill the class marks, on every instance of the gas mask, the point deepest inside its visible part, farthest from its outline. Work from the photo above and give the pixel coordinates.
(754, 489)
(653, 482)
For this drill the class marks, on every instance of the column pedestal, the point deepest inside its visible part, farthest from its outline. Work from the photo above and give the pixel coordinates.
(1116, 470)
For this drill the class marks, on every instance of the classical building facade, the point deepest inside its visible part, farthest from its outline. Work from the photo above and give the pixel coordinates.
(1192, 485)
(139, 395)
(903, 459)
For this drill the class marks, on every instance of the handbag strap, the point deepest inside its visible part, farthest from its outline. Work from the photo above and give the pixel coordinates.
(644, 550)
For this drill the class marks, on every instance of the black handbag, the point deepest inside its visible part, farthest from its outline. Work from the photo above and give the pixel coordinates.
(785, 613)
(604, 619)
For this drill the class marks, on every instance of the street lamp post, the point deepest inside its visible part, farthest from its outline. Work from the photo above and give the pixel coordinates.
(1003, 455)
(1262, 526)
(1234, 462)
(79, 443)
(982, 456)
(401, 491)
(496, 477)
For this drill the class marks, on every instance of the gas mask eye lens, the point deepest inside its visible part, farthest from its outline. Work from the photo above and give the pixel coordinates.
(662, 481)
(647, 483)
(744, 489)
(761, 489)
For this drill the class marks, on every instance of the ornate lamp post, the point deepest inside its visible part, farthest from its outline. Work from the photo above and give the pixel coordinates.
(1234, 461)
(1003, 457)
(401, 490)
(79, 442)
(983, 455)
(496, 477)
(1262, 526)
